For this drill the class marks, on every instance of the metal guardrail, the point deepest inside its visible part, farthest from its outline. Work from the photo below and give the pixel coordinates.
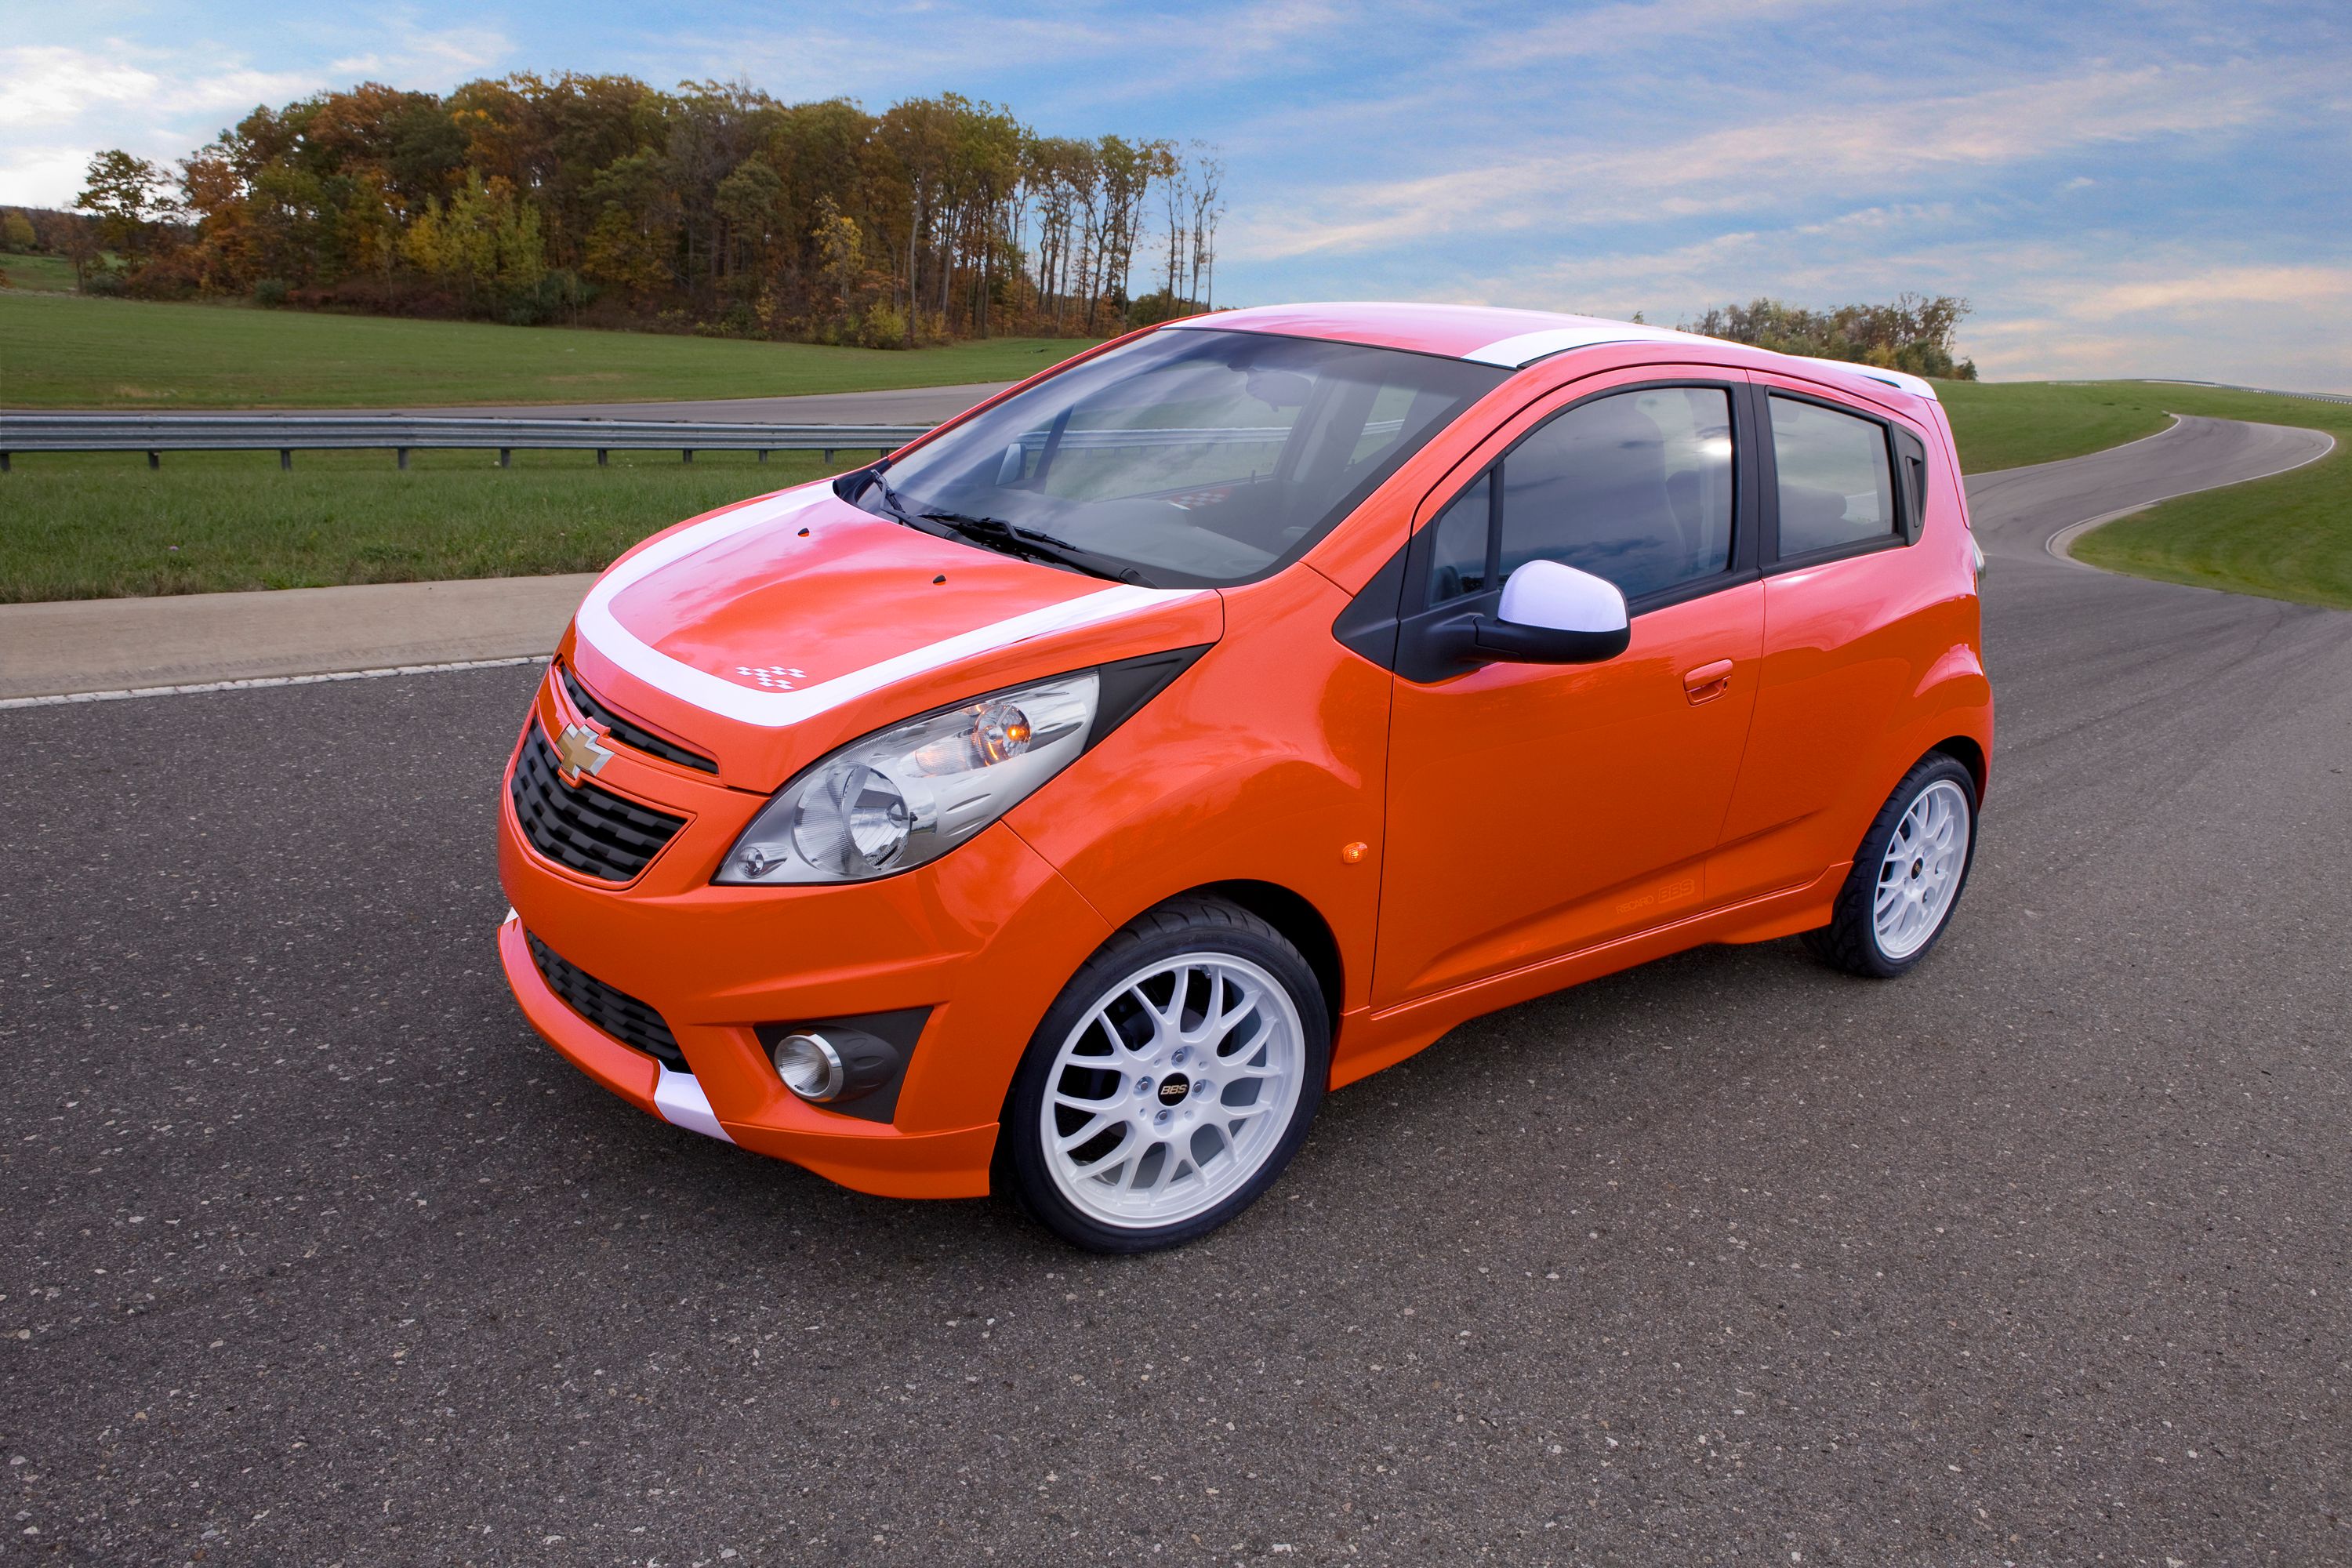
(2265, 391)
(287, 434)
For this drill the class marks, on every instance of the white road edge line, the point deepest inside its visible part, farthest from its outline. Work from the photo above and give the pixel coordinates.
(259, 682)
(2059, 543)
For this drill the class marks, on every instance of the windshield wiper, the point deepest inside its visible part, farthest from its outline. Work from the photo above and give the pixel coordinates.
(894, 504)
(998, 534)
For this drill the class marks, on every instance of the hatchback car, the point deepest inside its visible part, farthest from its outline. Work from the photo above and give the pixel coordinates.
(1063, 805)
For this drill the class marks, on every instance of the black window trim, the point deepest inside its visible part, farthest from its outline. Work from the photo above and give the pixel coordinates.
(1907, 472)
(1378, 622)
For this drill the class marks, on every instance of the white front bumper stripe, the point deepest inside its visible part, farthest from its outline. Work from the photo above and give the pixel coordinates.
(679, 1098)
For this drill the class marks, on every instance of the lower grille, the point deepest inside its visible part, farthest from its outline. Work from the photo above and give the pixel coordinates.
(616, 1013)
(592, 830)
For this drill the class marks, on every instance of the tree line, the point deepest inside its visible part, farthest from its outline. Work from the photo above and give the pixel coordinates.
(712, 208)
(1917, 332)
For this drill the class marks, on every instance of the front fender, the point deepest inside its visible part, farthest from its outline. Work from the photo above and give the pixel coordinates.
(1263, 762)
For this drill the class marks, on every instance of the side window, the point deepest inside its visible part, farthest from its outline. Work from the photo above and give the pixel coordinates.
(1457, 559)
(1837, 486)
(1635, 488)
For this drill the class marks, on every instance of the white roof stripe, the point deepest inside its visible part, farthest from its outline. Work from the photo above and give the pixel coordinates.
(1901, 380)
(1526, 348)
(601, 629)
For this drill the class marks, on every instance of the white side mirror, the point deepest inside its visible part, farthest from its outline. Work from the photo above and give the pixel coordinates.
(1558, 597)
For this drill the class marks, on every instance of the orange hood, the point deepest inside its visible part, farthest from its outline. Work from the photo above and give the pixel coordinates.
(779, 629)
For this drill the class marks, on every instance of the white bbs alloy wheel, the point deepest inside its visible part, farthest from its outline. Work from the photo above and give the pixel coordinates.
(1173, 1091)
(1907, 873)
(1170, 1082)
(1919, 875)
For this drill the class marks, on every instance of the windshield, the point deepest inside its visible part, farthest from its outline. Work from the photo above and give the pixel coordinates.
(1190, 456)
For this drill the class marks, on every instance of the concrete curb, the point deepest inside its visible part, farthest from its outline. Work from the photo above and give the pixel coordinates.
(85, 647)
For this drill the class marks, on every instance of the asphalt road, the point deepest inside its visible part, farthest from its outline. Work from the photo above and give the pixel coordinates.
(2042, 1255)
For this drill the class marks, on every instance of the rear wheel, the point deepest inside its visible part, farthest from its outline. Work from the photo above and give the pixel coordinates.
(1907, 875)
(1169, 1083)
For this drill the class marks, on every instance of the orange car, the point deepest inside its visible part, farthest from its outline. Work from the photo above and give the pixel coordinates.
(1064, 804)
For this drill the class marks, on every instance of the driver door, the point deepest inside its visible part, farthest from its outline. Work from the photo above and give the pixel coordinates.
(1534, 810)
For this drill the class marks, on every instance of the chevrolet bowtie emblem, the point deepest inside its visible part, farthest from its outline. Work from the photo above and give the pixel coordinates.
(578, 750)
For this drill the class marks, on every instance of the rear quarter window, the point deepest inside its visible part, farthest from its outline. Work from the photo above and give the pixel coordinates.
(1836, 480)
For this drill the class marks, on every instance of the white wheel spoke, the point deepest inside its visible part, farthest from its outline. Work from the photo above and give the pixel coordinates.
(1087, 1134)
(1126, 1150)
(1919, 874)
(1131, 1185)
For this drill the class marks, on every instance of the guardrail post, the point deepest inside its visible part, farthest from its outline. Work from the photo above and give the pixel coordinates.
(286, 460)
(155, 459)
(828, 454)
(763, 454)
(688, 454)
(400, 456)
(600, 456)
(3, 462)
(506, 456)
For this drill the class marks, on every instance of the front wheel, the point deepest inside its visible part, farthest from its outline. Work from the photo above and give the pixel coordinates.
(1169, 1083)
(1907, 875)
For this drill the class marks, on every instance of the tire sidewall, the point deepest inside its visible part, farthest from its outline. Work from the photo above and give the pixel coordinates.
(1864, 884)
(1021, 1158)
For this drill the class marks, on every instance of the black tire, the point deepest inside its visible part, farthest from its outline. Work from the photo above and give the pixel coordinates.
(1850, 941)
(1190, 924)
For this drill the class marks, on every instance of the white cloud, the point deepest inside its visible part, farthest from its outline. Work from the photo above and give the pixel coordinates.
(426, 58)
(2214, 289)
(163, 103)
(1636, 23)
(1892, 144)
(41, 85)
(1096, 59)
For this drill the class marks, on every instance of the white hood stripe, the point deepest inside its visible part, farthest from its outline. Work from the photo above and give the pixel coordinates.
(597, 625)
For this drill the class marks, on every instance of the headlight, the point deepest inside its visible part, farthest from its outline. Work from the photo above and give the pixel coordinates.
(915, 791)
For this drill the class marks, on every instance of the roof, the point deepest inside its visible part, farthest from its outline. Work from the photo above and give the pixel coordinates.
(1492, 334)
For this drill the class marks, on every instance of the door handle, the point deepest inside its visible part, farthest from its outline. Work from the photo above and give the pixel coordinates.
(1708, 682)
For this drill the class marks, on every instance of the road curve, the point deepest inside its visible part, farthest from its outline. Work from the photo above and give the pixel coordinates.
(2041, 1255)
(2024, 512)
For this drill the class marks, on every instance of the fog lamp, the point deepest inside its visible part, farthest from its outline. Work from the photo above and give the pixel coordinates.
(835, 1064)
(810, 1066)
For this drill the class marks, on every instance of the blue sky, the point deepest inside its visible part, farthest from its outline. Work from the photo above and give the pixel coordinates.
(2147, 188)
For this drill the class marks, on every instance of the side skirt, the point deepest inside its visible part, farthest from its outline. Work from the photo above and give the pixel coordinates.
(1369, 1040)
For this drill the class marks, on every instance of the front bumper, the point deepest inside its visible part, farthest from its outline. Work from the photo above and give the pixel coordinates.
(984, 937)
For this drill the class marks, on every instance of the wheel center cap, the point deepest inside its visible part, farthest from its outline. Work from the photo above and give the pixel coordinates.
(1174, 1088)
(1918, 868)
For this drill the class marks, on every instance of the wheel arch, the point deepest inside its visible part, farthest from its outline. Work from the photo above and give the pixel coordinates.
(1301, 924)
(1970, 753)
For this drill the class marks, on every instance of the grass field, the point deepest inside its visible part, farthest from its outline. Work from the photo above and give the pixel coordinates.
(67, 351)
(2009, 424)
(2287, 537)
(39, 274)
(83, 526)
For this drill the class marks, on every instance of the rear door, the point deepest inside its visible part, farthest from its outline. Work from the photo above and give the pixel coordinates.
(1536, 810)
(1842, 487)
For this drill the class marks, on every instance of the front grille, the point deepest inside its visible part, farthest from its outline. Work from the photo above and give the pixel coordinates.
(616, 1013)
(631, 735)
(592, 830)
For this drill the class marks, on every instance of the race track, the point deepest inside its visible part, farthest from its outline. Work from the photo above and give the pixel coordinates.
(2042, 1255)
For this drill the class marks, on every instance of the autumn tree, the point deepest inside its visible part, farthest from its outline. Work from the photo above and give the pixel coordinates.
(712, 206)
